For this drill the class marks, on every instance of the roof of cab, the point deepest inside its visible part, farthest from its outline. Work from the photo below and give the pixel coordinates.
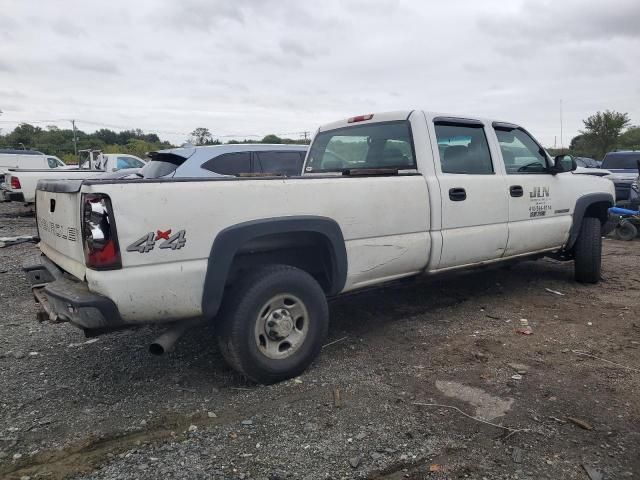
(404, 115)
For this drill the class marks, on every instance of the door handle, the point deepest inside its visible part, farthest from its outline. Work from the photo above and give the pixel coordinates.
(516, 191)
(457, 194)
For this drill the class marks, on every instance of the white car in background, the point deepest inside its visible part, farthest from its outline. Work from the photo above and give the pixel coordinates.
(20, 184)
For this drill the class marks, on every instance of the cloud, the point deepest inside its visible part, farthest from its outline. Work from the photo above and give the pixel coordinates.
(273, 66)
(89, 64)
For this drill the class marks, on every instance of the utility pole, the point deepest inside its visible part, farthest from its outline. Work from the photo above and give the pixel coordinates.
(561, 142)
(75, 140)
(305, 135)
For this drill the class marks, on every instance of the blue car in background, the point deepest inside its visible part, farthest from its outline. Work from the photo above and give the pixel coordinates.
(624, 172)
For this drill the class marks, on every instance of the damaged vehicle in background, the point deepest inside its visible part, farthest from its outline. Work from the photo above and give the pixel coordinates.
(381, 197)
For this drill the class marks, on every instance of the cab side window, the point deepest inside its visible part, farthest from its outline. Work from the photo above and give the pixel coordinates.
(52, 162)
(463, 149)
(520, 152)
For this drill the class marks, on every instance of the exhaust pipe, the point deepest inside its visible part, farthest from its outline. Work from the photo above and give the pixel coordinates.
(167, 341)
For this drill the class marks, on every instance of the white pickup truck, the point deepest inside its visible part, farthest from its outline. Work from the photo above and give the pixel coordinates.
(382, 197)
(20, 184)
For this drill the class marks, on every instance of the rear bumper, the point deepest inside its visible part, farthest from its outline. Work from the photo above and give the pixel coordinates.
(66, 299)
(8, 196)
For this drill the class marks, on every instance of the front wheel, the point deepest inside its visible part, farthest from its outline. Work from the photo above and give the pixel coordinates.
(273, 323)
(588, 251)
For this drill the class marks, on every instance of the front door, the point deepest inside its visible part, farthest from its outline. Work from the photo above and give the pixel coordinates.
(539, 202)
(474, 194)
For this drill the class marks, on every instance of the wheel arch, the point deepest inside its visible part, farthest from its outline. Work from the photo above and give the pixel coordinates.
(591, 205)
(259, 239)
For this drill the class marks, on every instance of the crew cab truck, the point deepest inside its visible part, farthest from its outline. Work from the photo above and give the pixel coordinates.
(383, 197)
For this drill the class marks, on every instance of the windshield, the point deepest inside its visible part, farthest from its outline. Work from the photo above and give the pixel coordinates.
(378, 145)
(621, 161)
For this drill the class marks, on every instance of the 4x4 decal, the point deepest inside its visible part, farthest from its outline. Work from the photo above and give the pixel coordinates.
(147, 242)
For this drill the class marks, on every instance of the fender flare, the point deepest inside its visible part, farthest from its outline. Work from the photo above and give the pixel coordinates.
(230, 240)
(582, 204)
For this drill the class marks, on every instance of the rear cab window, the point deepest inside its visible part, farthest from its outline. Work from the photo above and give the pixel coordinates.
(383, 145)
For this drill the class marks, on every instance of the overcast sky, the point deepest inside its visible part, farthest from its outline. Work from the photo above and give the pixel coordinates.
(252, 67)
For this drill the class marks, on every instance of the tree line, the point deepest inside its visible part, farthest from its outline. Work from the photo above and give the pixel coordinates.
(57, 141)
(603, 132)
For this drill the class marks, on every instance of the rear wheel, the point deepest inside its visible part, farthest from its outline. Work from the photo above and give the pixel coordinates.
(626, 231)
(273, 323)
(588, 251)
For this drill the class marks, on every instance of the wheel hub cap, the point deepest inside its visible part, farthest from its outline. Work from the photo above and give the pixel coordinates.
(279, 324)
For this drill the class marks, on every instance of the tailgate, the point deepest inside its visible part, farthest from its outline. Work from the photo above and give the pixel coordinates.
(58, 216)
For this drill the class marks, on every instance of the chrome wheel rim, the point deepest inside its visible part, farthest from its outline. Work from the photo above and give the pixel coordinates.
(281, 326)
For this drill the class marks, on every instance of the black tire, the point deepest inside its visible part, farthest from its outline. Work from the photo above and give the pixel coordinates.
(626, 231)
(588, 251)
(241, 313)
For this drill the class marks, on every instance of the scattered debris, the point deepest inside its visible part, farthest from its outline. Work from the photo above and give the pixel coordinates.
(592, 472)
(193, 428)
(579, 352)
(580, 423)
(495, 317)
(487, 406)
(516, 455)
(524, 329)
(337, 399)
(334, 342)
(516, 376)
(88, 342)
(434, 467)
(247, 422)
(511, 431)
(555, 292)
(519, 368)
(8, 241)
(211, 415)
(355, 461)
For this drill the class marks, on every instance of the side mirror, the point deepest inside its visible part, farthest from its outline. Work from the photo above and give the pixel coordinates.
(563, 163)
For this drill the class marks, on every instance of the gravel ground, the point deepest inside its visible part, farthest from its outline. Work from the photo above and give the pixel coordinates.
(103, 408)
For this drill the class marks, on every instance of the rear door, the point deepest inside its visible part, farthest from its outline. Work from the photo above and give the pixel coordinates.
(540, 204)
(474, 194)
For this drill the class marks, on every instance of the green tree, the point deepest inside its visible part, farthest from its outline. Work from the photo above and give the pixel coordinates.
(601, 131)
(271, 138)
(201, 136)
(630, 140)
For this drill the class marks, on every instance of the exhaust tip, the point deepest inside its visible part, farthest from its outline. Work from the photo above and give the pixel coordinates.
(156, 349)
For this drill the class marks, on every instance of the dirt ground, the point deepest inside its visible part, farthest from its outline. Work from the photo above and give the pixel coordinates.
(561, 403)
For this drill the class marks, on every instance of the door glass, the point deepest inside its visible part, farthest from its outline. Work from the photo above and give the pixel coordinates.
(230, 163)
(53, 162)
(520, 152)
(463, 149)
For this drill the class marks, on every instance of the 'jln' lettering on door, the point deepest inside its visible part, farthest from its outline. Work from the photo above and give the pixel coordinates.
(539, 192)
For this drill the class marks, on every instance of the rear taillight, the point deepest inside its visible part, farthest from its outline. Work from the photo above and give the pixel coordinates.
(100, 240)
(15, 183)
